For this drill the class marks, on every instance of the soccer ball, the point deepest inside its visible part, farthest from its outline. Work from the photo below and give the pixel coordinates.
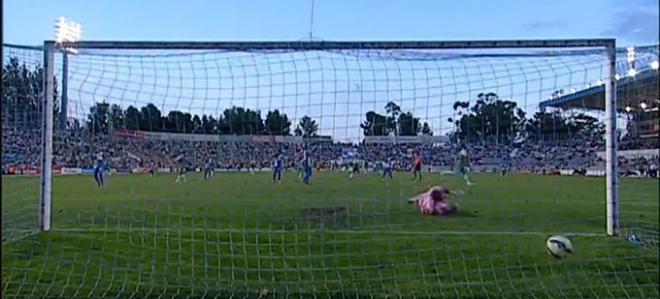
(559, 246)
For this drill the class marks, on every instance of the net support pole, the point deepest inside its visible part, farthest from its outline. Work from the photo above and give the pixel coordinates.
(47, 137)
(65, 91)
(611, 171)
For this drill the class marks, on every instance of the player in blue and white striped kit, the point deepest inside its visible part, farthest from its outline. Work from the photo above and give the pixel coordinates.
(278, 167)
(307, 167)
(98, 169)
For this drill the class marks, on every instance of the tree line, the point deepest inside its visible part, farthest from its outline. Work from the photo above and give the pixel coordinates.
(22, 88)
(104, 117)
(488, 117)
(492, 118)
(393, 122)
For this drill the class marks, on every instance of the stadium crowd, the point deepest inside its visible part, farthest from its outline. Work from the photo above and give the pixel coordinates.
(21, 148)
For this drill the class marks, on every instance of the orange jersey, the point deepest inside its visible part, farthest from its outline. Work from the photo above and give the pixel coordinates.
(418, 160)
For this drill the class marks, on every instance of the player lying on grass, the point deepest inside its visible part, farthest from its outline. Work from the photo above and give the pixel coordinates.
(434, 201)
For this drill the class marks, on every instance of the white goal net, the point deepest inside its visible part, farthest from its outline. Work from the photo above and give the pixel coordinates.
(245, 170)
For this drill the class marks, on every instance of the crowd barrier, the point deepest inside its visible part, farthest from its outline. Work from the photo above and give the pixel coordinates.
(70, 171)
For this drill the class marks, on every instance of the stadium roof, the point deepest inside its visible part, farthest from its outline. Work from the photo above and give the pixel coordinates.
(631, 92)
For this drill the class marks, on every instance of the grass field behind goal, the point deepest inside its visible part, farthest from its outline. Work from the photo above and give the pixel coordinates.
(242, 236)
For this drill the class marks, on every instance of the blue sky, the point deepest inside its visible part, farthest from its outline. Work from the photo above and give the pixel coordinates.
(326, 85)
(630, 21)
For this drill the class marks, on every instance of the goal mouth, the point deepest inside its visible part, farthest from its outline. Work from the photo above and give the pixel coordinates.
(283, 169)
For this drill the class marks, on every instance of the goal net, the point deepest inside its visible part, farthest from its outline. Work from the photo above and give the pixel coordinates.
(165, 160)
(22, 118)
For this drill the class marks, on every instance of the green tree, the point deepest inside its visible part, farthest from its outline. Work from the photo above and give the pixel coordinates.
(150, 118)
(393, 111)
(489, 118)
(241, 121)
(426, 129)
(207, 125)
(74, 125)
(408, 124)
(196, 125)
(173, 122)
(116, 118)
(178, 122)
(376, 124)
(556, 126)
(277, 123)
(22, 89)
(186, 123)
(132, 118)
(547, 126)
(588, 125)
(307, 127)
(98, 118)
(222, 126)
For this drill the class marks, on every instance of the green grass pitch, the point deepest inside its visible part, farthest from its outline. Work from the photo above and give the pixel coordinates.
(242, 236)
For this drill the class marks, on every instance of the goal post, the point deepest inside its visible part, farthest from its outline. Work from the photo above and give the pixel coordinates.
(47, 139)
(611, 172)
(609, 45)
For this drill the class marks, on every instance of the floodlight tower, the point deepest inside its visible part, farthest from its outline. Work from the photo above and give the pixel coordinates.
(66, 31)
(630, 57)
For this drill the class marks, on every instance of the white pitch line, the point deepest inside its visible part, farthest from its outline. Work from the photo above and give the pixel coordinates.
(327, 231)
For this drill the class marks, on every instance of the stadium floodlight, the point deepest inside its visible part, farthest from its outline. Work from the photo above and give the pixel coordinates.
(67, 31)
(630, 54)
(655, 65)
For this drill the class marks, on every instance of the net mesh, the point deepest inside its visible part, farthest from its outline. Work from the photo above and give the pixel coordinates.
(238, 231)
(22, 90)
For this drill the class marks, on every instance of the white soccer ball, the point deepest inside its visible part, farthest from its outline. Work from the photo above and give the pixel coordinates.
(559, 246)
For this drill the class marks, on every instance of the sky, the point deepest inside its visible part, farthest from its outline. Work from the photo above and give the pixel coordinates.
(632, 22)
(336, 96)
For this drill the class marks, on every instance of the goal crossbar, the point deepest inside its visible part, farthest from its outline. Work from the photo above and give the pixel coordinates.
(346, 45)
